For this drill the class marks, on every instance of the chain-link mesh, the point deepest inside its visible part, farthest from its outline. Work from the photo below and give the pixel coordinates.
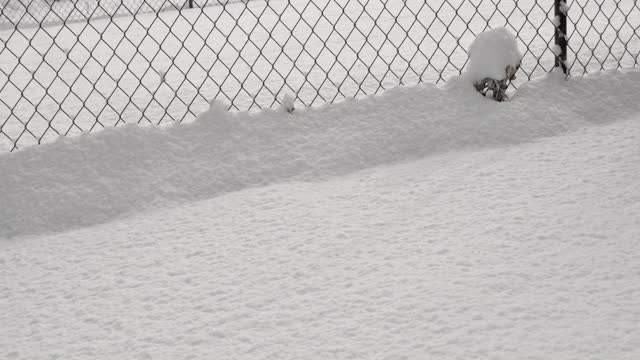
(70, 66)
(603, 34)
(44, 12)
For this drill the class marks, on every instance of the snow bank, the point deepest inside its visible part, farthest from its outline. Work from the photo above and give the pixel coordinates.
(526, 252)
(95, 178)
(490, 54)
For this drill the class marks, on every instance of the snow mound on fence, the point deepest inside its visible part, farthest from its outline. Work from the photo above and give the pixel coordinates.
(490, 54)
(95, 178)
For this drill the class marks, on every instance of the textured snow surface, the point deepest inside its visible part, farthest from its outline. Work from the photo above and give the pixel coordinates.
(522, 252)
(490, 54)
(95, 178)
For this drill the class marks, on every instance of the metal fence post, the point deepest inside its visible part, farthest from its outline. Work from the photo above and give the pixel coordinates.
(560, 9)
(190, 4)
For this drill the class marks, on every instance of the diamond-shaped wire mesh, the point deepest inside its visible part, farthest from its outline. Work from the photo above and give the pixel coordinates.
(70, 66)
(603, 34)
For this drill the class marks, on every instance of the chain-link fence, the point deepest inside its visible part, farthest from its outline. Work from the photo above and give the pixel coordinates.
(70, 66)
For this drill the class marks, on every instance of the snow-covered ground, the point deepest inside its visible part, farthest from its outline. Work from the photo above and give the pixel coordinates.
(127, 169)
(423, 223)
(108, 71)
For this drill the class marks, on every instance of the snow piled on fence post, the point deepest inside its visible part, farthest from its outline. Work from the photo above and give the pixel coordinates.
(490, 54)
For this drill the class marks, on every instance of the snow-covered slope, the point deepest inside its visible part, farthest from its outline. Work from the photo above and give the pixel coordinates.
(95, 178)
(520, 252)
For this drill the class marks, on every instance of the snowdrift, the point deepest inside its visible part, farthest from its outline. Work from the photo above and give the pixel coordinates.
(95, 178)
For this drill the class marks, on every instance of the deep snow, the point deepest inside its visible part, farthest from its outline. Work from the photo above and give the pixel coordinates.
(94, 178)
(520, 252)
(423, 223)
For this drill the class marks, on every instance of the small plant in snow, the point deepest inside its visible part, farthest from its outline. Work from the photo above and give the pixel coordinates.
(287, 103)
(494, 59)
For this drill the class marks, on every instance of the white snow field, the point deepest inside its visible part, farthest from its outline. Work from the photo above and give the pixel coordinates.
(423, 223)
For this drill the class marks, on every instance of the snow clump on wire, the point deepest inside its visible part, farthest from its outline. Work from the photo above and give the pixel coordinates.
(287, 103)
(494, 58)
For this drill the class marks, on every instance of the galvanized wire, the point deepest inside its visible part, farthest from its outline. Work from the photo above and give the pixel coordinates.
(603, 35)
(72, 66)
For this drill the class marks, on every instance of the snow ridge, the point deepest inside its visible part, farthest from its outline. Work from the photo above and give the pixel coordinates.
(95, 178)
